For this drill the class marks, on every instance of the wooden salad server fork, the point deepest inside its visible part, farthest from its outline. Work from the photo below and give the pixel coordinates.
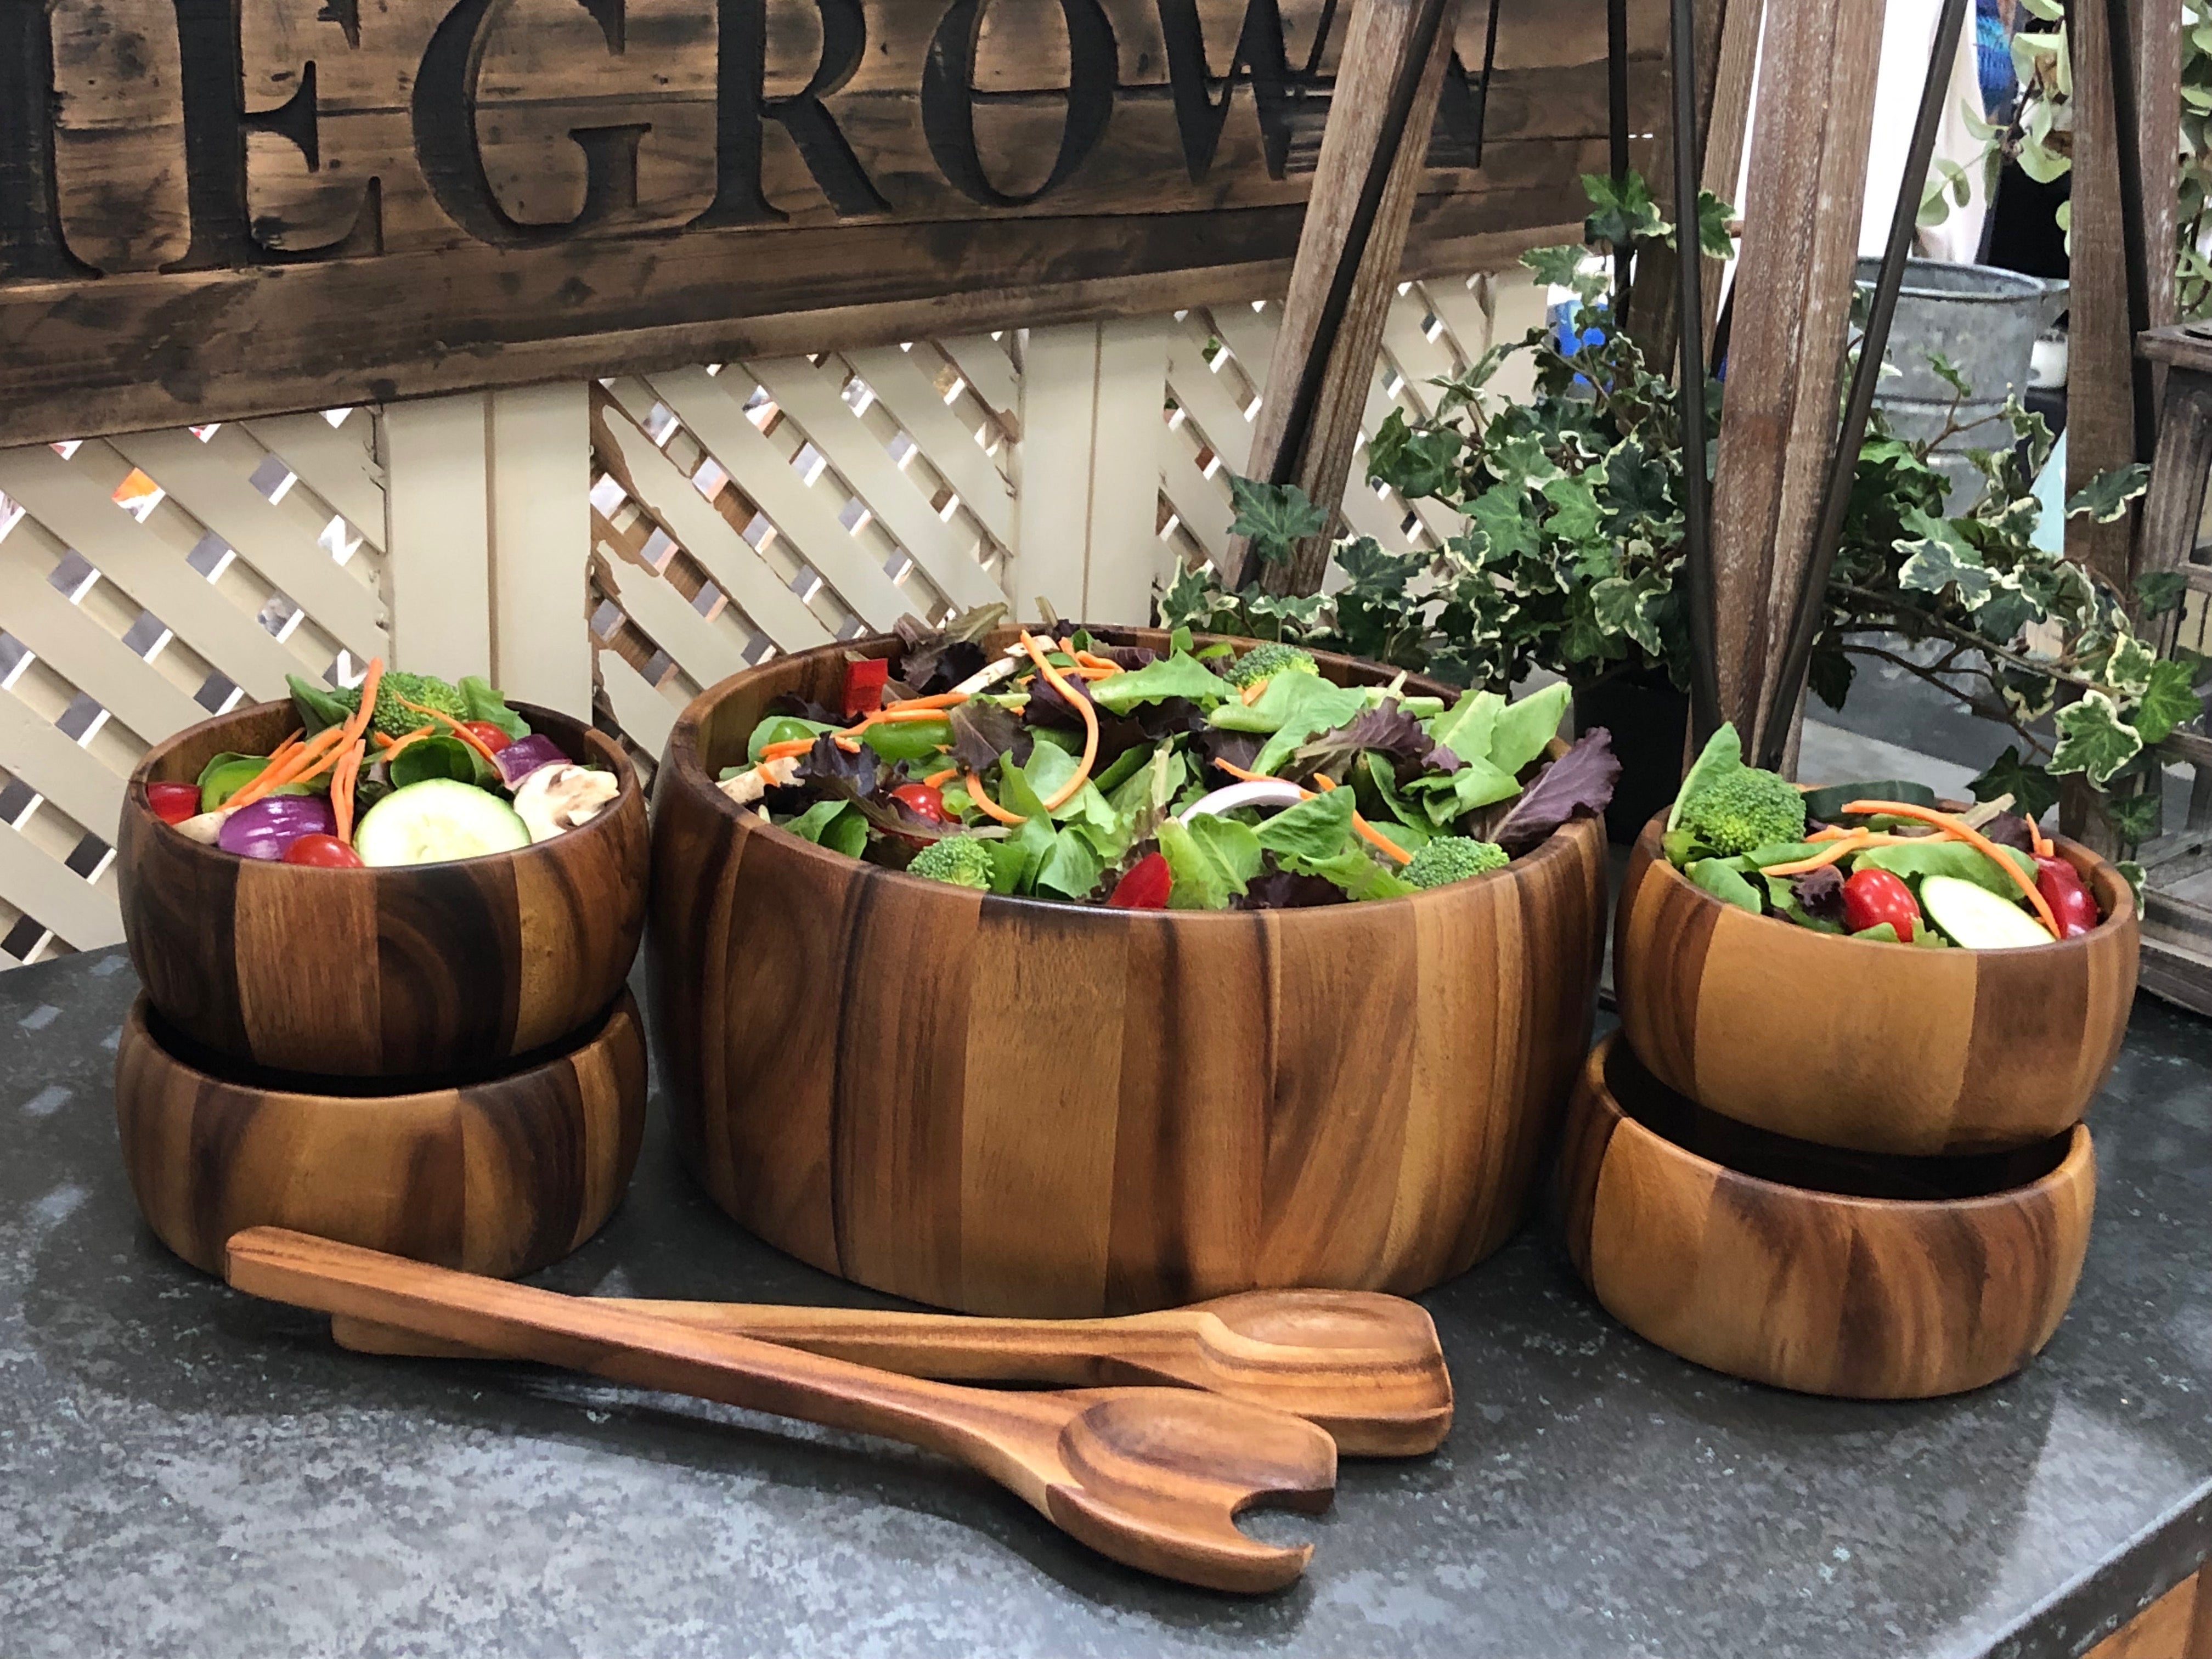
(1365, 1367)
(1150, 1477)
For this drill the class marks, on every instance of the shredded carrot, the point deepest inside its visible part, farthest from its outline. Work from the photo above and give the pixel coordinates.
(297, 767)
(402, 739)
(1252, 693)
(1974, 838)
(941, 700)
(2040, 841)
(1367, 832)
(1835, 851)
(392, 746)
(991, 808)
(1092, 660)
(357, 722)
(1082, 774)
(939, 779)
(1241, 776)
(786, 749)
(896, 717)
(458, 729)
(343, 784)
(1083, 671)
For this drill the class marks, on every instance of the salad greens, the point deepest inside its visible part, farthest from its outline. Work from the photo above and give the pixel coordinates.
(1073, 769)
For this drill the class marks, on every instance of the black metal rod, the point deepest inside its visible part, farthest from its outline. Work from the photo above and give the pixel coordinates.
(2135, 227)
(1866, 380)
(1489, 68)
(1298, 428)
(1690, 328)
(1616, 100)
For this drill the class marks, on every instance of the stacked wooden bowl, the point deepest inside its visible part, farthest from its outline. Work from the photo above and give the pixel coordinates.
(1012, 1107)
(439, 1061)
(1838, 1166)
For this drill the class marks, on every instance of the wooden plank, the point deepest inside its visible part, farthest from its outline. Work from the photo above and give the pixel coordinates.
(647, 717)
(2161, 1630)
(1201, 507)
(1198, 387)
(118, 139)
(706, 651)
(806, 515)
(1124, 557)
(1792, 317)
(807, 396)
(1059, 428)
(35, 750)
(42, 886)
(78, 648)
(988, 371)
(652, 481)
(72, 498)
(336, 462)
(539, 460)
(437, 546)
(224, 499)
(915, 404)
(1380, 41)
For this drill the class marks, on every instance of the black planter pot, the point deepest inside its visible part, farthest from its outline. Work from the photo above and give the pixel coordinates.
(1649, 720)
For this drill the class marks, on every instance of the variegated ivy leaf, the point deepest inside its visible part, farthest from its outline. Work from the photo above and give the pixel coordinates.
(2169, 699)
(1636, 484)
(1500, 514)
(1193, 599)
(2017, 518)
(2105, 498)
(2006, 611)
(1574, 509)
(1520, 461)
(2062, 588)
(1302, 609)
(2094, 740)
(1937, 558)
(1556, 267)
(1622, 607)
(2030, 696)
(1273, 517)
(2129, 668)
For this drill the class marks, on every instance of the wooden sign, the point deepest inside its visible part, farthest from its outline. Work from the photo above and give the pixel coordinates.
(216, 208)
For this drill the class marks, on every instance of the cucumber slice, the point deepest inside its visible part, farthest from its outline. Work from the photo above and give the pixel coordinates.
(436, 821)
(1976, 918)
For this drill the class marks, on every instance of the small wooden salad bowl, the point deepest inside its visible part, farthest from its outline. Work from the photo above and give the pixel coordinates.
(1057, 1111)
(1865, 1277)
(392, 972)
(500, 1176)
(1854, 1043)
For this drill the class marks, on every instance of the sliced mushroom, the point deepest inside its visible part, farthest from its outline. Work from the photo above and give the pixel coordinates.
(556, 799)
(755, 782)
(207, 828)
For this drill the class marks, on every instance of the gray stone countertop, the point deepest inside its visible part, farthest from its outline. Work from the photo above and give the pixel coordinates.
(186, 1471)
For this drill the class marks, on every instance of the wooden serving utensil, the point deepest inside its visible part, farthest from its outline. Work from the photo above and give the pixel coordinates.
(1368, 1367)
(1150, 1477)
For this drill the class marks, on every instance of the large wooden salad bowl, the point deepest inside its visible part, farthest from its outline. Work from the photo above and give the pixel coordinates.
(1882, 1047)
(389, 972)
(1866, 1277)
(1013, 1107)
(500, 1176)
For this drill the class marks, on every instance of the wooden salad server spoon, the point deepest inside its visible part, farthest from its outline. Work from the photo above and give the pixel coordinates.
(1150, 1477)
(1365, 1367)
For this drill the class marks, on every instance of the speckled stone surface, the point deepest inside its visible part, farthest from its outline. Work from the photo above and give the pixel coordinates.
(184, 1472)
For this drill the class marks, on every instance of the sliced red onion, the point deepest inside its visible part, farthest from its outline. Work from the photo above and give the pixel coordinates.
(526, 754)
(269, 825)
(1265, 792)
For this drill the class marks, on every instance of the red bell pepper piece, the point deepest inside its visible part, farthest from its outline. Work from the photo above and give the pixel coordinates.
(1872, 896)
(2071, 906)
(1145, 887)
(863, 684)
(172, 803)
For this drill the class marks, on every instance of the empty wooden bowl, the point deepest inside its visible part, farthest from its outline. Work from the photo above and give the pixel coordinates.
(394, 972)
(1880, 1048)
(1007, 1106)
(499, 1177)
(1869, 1277)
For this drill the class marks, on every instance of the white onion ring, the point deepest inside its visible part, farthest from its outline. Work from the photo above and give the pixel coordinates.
(1263, 792)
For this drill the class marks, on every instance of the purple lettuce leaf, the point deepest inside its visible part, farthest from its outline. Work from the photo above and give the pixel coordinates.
(830, 772)
(2010, 830)
(1389, 730)
(982, 731)
(1283, 889)
(1577, 784)
(1820, 893)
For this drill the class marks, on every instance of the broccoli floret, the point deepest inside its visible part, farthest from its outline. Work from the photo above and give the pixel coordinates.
(1454, 858)
(1746, 809)
(963, 860)
(1266, 661)
(396, 721)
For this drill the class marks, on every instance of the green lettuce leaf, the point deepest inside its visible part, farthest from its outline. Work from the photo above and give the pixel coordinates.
(1305, 703)
(485, 703)
(1526, 728)
(835, 824)
(1465, 728)
(1315, 828)
(1203, 878)
(1178, 675)
(1724, 880)
(1355, 872)
(1723, 754)
(1947, 858)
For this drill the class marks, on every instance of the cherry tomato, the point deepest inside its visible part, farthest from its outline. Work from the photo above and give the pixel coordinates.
(927, 801)
(2060, 884)
(172, 803)
(489, 735)
(1145, 887)
(322, 853)
(1873, 896)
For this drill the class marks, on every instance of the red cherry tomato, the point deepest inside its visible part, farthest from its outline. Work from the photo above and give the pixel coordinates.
(1873, 896)
(925, 801)
(1145, 887)
(489, 735)
(2060, 884)
(172, 803)
(322, 853)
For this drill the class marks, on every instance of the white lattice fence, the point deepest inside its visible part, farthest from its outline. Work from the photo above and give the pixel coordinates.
(145, 583)
(612, 548)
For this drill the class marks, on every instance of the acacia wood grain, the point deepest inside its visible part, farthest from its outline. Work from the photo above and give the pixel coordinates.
(1150, 1477)
(1366, 1368)
(1809, 1287)
(405, 971)
(503, 1176)
(1012, 1107)
(1883, 1047)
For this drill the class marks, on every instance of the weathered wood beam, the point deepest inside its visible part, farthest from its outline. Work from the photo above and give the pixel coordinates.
(1383, 34)
(1792, 322)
